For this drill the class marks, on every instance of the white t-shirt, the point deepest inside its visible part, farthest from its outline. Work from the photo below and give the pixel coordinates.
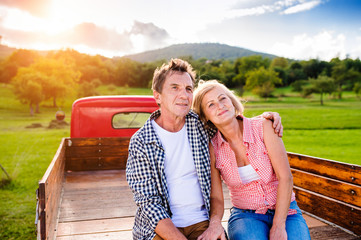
(185, 196)
(248, 174)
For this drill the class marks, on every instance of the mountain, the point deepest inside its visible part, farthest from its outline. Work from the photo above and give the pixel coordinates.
(196, 50)
(211, 51)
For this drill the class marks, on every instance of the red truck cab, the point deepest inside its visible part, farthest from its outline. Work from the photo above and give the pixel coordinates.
(110, 116)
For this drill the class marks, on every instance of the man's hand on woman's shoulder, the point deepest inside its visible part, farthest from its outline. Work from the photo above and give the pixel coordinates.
(276, 119)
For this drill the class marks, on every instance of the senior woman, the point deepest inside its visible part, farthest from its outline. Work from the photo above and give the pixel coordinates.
(251, 159)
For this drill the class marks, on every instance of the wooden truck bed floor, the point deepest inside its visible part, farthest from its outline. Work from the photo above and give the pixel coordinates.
(99, 205)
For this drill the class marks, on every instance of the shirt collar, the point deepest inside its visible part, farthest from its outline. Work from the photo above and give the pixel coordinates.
(157, 113)
(150, 135)
(247, 132)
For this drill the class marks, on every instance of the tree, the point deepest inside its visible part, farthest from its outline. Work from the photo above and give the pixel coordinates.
(245, 64)
(344, 76)
(126, 72)
(27, 87)
(312, 68)
(87, 89)
(294, 73)
(298, 85)
(262, 81)
(321, 85)
(19, 58)
(60, 78)
(280, 62)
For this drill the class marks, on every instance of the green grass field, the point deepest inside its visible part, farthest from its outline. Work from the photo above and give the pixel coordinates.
(332, 131)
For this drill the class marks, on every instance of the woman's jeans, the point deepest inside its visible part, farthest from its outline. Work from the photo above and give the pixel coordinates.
(246, 224)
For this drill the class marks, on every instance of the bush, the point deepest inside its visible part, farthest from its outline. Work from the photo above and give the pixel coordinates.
(357, 89)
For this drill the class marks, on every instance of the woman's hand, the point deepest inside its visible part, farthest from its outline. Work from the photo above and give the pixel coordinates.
(278, 233)
(214, 231)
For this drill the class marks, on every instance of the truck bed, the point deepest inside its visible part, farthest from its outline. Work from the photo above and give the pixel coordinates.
(99, 205)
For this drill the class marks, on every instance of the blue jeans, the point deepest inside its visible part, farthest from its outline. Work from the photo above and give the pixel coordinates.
(246, 224)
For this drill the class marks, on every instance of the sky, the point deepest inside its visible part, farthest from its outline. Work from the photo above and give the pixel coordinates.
(297, 29)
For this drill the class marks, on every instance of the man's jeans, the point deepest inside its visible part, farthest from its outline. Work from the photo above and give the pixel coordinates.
(246, 224)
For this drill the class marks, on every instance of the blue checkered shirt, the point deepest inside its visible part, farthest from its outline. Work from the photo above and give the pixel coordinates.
(146, 176)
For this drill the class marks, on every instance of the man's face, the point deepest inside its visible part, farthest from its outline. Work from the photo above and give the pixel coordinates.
(177, 95)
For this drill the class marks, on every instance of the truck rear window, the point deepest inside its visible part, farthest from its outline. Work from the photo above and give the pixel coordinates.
(129, 120)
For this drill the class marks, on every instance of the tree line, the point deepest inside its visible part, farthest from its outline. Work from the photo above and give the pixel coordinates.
(59, 74)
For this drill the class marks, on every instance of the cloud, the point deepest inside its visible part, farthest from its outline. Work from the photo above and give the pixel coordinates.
(302, 7)
(97, 37)
(37, 8)
(356, 53)
(90, 37)
(249, 11)
(325, 46)
(153, 36)
(86, 34)
(255, 8)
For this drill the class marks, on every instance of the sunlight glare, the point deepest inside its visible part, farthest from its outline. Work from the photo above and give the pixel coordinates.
(23, 21)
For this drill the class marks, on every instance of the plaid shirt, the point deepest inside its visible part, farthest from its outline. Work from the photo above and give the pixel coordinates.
(146, 176)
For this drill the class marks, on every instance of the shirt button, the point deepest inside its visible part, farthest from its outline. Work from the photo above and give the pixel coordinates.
(247, 154)
(264, 153)
(256, 169)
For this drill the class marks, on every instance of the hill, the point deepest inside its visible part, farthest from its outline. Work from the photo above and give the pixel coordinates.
(5, 51)
(196, 50)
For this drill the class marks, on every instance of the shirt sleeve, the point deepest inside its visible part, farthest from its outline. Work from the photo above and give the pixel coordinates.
(143, 183)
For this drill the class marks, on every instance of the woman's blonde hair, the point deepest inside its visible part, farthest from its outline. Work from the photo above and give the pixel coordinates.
(202, 89)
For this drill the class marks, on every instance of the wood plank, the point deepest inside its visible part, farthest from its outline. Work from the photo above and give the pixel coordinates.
(93, 212)
(97, 154)
(345, 192)
(97, 163)
(113, 141)
(87, 202)
(337, 170)
(95, 226)
(95, 179)
(345, 215)
(96, 195)
(313, 222)
(330, 233)
(119, 235)
(96, 151)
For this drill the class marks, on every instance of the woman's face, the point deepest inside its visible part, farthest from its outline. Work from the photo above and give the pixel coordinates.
(218, 107)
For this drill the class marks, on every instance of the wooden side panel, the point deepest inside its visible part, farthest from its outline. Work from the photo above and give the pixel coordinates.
(76, 142)
(87, 154)
(341, 171)
(50, 187)
(346, 192)
(345, 215)
(41, 227)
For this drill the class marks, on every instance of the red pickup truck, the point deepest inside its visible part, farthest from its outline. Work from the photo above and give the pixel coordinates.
(84, 194)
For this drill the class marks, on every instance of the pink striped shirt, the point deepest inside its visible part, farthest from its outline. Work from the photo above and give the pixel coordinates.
(259, 195)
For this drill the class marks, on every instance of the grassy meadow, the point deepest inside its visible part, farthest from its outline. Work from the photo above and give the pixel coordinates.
(331, 131)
